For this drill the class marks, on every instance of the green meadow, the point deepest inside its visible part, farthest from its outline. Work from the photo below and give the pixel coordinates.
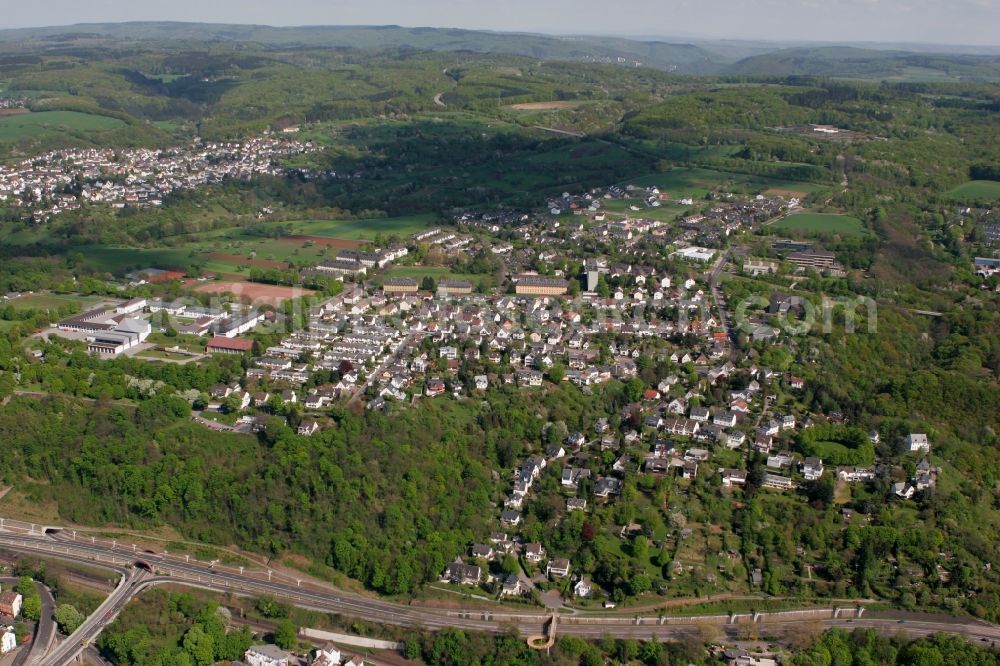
(47, 123)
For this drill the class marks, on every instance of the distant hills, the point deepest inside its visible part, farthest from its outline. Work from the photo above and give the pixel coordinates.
(703, 59)
(850, 62)
(683, 58)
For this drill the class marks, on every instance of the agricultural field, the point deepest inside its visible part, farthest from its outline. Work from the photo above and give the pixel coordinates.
(821, 224)
(48, 123)
(976, 190)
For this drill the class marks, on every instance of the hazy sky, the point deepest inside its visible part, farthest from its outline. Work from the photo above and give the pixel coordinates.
(936, 21)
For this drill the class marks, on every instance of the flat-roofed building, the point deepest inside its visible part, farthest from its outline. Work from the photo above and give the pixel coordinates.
(536, 285)
(454, 288)
(400, 285)
(224, 345)
(813, 259)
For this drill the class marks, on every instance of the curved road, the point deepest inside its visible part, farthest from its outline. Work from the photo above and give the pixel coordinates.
(172, 569)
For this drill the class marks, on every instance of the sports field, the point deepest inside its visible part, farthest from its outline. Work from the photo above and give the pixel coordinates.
(822, 224)
(258, 293)
(976, 190)
(31, 125)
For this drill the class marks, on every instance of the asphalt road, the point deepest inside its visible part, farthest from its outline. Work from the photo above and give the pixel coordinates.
(91, 628)
(204, 576)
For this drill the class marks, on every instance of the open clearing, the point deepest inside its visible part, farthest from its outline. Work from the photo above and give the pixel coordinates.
(258, 293)
(546, 106)
(821, 223)
(976, 190)
(30, 125)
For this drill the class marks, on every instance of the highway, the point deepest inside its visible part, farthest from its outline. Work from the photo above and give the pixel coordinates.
(173, 569)
(130, 585)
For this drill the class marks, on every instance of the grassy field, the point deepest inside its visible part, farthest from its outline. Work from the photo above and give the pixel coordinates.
(31, 125)
(437, 273)
(123, 259)
(976, 190)
(365, 229)
(821, 223)
(696, 183)
(46, 301)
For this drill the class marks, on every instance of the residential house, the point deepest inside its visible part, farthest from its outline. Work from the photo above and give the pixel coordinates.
(511, 586)
(328, 655)
(10, 603)
(778, 482)
(8, 641)
(557, 568)
(918, 442)
(779, 461)
(812, 468)
(607, 486)
(576, 504)
(583, 587)
(733, 477)
(725, 419)
(307, 427)
(266, 655)
(700, 414)
(533, 552)
(462, 574)
(571, 476)
(510, 518)
(855, 474)
(483, 551)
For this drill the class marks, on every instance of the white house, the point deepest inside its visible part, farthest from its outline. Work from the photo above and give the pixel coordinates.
(8, 641)
(328, 655)
(918, 442)
(266, 655)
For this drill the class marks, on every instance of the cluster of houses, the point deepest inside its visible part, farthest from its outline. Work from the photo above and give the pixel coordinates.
(58, 181)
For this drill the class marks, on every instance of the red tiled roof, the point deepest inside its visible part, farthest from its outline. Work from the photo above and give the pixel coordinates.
(234, 344)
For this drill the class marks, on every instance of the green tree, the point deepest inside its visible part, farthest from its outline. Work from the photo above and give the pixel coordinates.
(200, 646)
(68, 618)
(286, 634)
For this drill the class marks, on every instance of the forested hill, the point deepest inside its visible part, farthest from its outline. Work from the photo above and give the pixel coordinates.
(850, 62)
(683, 58)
